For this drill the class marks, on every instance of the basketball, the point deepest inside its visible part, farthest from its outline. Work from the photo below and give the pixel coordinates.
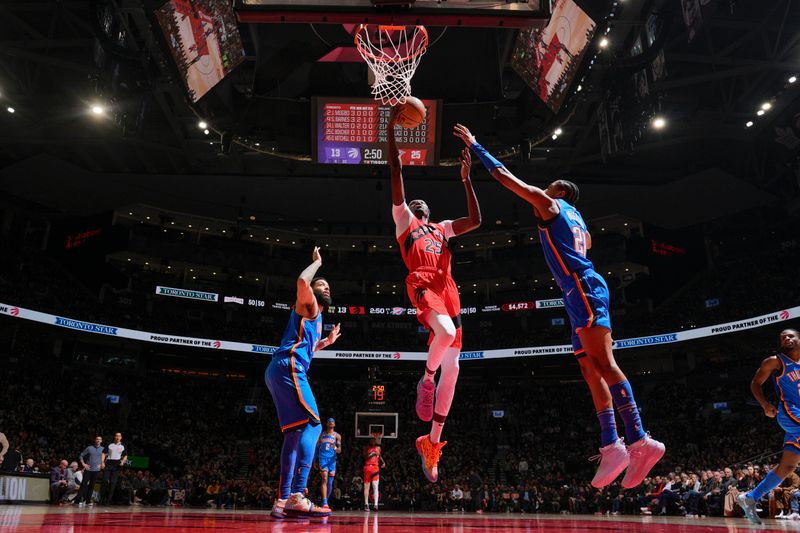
(411, 113)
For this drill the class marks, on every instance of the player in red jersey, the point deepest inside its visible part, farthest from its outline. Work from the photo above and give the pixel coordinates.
(372, 471)
(426, 252)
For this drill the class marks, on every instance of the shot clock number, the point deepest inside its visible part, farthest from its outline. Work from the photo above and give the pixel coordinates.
(378, 393)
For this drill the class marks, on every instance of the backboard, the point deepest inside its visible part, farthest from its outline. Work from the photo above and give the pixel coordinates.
(466, 13)
(369, 423)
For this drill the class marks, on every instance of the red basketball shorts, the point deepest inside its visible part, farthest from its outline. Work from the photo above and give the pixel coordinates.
(371, 473)
(431, 290)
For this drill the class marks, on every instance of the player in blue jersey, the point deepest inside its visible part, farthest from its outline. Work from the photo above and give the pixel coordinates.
(287, 382)
(329, 446)
(565, 241)
(785, 369)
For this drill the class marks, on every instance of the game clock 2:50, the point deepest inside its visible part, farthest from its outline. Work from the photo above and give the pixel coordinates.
(373, 154)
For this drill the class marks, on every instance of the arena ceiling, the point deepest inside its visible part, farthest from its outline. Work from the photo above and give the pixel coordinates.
(57, 58)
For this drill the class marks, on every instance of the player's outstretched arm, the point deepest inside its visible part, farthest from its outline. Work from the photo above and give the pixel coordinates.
(531, 194)
(767, 368)
(330, 339)
(306, 304)
(473, 219)
(395, 165)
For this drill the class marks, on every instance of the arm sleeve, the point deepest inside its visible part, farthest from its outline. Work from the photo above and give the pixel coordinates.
(449, 233)
(402, 216)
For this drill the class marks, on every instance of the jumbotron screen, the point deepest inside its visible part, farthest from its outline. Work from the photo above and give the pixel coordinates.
(204, 40)
(548, 59)
(352, 131)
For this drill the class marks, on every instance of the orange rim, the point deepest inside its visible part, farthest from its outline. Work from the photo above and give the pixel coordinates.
(382, 27)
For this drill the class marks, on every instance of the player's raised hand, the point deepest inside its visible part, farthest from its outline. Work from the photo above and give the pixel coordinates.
(463, 133)
(466, 164)
(333, 335)
(770, 410)
(315, 255)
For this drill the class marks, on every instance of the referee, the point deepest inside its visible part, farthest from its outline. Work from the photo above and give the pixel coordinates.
(114, 456)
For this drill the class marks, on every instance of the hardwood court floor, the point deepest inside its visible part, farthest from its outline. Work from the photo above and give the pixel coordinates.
(29, 518)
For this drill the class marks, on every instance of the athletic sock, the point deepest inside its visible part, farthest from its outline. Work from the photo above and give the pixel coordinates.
(288, 461)
(626, 406)
(608, 427)
(324, 501)
(769, 482)
(330, 487)
(429, 374)
(436, 427)
(305, 455)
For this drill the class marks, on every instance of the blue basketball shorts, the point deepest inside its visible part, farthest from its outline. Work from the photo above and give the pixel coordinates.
(586, 301)
(288, 384)
(791, 441)
(328, 464)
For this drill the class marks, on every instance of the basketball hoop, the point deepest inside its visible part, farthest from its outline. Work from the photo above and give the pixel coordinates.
(393, 54)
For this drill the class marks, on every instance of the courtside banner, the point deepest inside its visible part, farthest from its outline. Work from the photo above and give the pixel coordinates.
(186, 293)
(621, 344)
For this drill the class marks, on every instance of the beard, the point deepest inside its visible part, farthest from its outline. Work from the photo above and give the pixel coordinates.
(324, 301)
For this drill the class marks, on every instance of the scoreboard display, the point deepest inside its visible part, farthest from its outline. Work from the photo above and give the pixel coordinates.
(352, 131)
(376, 396)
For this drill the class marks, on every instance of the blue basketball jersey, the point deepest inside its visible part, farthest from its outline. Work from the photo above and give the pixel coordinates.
(787, 386)
(300, 339)
(327, 445)
(564, 241)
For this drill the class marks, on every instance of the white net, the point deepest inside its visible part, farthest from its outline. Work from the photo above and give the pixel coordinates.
(393, 53)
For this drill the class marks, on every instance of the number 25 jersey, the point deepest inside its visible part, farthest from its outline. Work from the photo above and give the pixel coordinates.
(424, 246)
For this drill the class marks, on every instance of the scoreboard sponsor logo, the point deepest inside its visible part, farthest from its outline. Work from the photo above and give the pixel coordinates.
(646, 341)
(261, 348)
(85, 326)
(186, 293)
(549, 304)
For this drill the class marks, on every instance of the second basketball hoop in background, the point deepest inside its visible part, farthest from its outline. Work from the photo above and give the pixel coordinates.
(411, 113)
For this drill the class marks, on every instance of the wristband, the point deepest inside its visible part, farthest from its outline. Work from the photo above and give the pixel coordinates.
(486, 158)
